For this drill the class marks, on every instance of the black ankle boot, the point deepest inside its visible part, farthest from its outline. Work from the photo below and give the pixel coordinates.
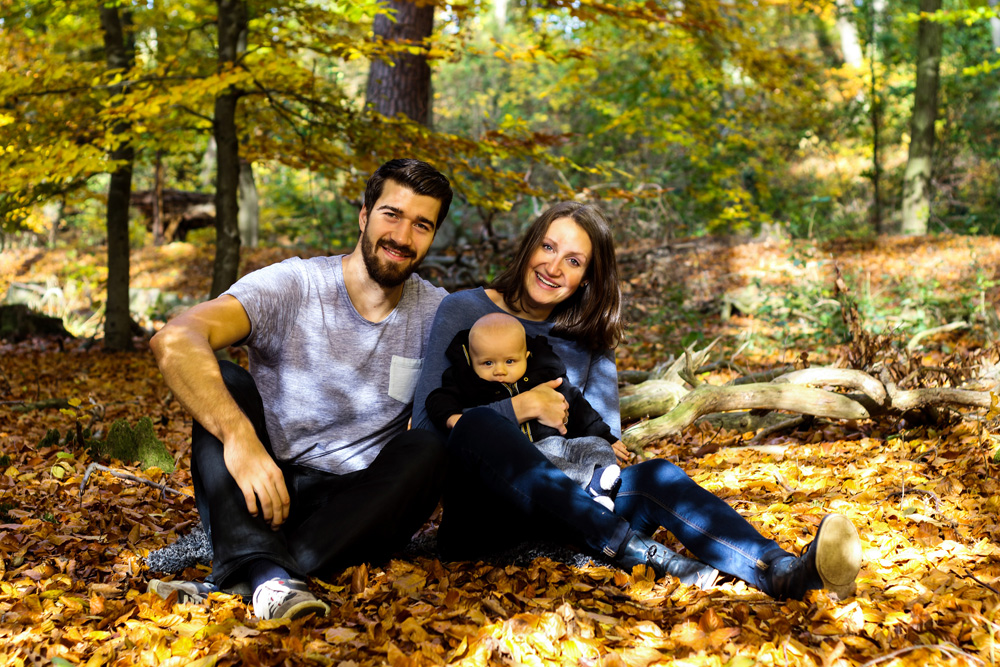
(832, 562)
(641, 549)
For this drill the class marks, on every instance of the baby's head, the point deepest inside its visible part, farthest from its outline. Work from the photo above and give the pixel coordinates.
(497, 348)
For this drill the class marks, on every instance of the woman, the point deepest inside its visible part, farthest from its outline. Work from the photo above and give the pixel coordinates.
(563, 284)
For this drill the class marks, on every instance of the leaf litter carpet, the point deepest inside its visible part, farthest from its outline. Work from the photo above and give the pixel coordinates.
(73, 575)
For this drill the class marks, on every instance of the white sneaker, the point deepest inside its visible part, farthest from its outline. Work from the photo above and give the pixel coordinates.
(286, 598)
(610, 479)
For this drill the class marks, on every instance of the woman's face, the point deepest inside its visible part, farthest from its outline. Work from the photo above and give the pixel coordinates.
(556, 268)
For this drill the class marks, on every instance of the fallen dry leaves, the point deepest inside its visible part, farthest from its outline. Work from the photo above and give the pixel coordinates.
(72, 578)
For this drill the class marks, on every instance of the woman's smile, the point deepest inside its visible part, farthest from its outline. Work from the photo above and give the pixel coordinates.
(556, 268)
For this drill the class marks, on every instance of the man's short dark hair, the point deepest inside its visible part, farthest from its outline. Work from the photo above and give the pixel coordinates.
(415, 175)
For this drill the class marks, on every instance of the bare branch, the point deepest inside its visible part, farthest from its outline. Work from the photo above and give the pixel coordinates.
(124, 475)
(953, 326)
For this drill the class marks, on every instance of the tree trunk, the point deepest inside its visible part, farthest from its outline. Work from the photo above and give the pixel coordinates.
(995, 26)
(57, 210)
(917, 181)
(850, 46)
(157, 216)
(249, 215)
(404, 85)
(119, 49)
(500, 16)
(232, 21)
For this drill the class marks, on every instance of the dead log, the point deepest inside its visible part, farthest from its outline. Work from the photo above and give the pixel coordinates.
(652, 398)
(904, 400)
(629, 377)
(797, 392)
(761, 396)
(846, 378)
(666, 386)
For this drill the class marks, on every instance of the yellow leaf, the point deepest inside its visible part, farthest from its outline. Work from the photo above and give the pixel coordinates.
(207, 661)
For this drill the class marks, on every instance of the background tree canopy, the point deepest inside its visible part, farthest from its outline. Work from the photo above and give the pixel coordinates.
(683, 118)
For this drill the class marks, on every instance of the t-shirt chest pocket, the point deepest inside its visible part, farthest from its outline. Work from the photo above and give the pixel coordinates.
(403, 375)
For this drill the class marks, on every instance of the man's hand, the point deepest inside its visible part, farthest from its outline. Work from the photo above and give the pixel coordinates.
(622, 452)
(549, 407)
(453, 420)
(259, 478)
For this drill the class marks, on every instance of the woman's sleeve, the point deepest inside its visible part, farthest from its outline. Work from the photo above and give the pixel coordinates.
(453, 315)
(602, 390)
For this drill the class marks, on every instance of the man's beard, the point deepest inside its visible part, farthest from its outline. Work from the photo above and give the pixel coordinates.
(386, 274)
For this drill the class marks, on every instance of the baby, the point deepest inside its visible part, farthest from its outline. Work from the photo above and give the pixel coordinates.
(495, 360)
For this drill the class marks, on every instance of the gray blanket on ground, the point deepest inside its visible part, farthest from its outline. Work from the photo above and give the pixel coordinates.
(195, 548)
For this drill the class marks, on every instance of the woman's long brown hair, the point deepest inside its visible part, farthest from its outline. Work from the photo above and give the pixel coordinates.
(593, 314)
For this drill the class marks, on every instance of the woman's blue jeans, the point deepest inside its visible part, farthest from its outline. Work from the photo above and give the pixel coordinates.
(501, 491)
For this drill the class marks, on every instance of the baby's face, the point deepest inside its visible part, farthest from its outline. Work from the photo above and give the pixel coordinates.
(503, 357)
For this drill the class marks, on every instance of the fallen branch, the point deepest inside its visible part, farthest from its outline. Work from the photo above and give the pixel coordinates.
(743, 421)
(124, 475)
(761, 376)
(904, 400)
(837, 377)
(953, 326)
(761, 396)
(21, 406)
(628, 377)
(716, 365)
(652, 398)
(980, 582)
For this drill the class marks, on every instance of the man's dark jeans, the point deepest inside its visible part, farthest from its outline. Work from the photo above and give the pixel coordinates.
(334, 520)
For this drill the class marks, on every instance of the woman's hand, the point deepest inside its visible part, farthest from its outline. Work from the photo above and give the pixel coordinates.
(622, 452)
(545, 404)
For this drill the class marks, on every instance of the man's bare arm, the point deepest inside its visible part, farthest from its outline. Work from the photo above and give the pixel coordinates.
(185, 351)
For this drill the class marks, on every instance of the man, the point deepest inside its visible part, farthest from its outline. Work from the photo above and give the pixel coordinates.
(305, 465)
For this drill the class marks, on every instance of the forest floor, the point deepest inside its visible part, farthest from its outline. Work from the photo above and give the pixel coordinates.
(924, 498)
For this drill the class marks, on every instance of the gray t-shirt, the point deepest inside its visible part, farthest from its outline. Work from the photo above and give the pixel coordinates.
(336, 387)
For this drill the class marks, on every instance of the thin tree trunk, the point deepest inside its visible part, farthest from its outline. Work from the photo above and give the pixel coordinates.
(917, 181)
(850, 46)
(500, 16)
(119, 50)
(249, 215)
(404, 85)
(876, 8)
(232, 21)
(158, 199)
(995, 26)
(58, 209)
